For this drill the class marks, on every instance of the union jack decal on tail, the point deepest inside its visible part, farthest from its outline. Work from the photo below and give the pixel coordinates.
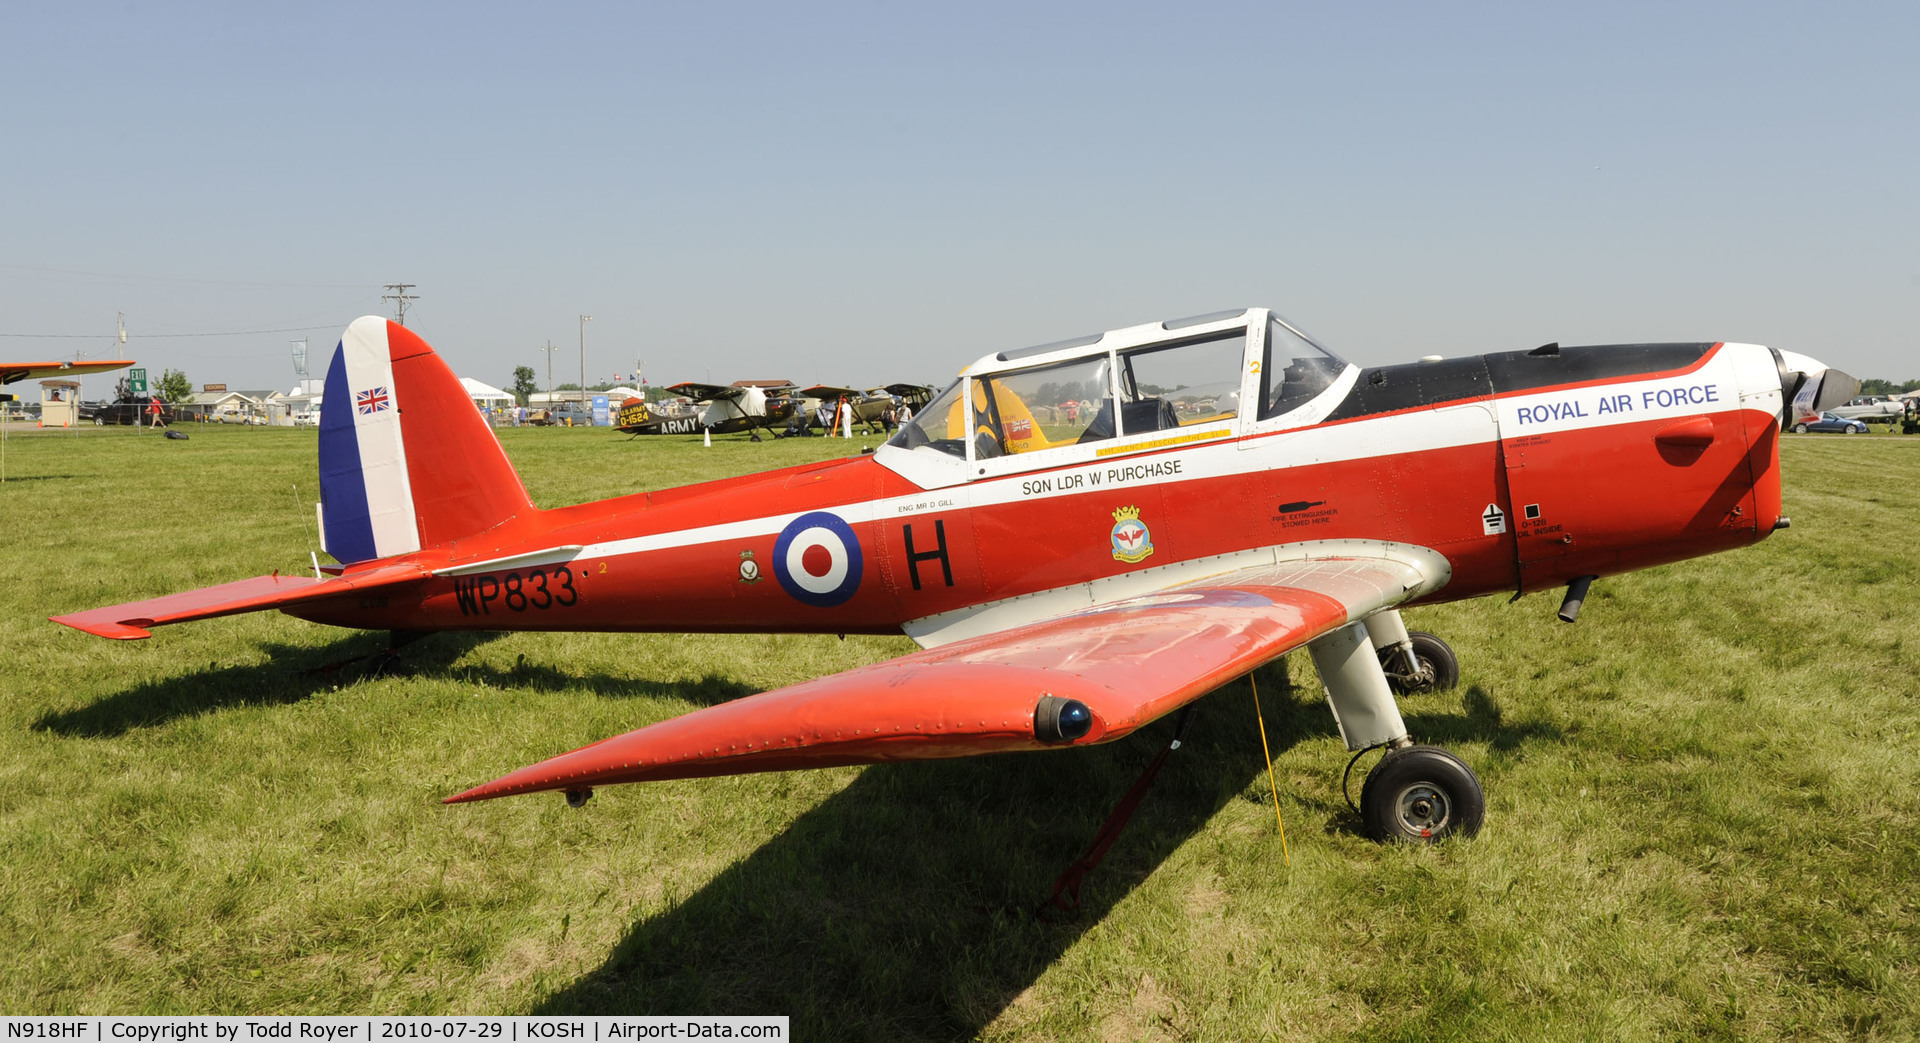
(373, 400)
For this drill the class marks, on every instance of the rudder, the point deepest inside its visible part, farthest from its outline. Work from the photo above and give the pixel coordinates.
(406, 461)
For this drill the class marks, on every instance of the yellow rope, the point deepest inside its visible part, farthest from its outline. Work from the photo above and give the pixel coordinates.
(1271, 785)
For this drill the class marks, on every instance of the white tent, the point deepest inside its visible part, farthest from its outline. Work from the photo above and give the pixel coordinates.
(486, 396)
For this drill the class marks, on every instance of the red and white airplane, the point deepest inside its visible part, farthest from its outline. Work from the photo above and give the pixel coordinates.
(1083, 536)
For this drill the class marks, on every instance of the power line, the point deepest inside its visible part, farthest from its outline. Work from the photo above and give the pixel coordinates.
(158, 336)
(178, 278)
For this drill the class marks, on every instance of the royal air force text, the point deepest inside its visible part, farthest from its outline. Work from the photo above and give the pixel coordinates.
(1610, 404)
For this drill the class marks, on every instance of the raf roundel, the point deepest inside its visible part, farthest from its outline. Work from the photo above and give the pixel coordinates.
(817, 559)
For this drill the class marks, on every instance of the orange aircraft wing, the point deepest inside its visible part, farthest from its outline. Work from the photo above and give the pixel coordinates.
(12, 371)
(1128, 663)
(132, 620)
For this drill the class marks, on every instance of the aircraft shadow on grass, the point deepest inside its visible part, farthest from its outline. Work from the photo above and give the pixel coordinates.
(902, 906)
(293, 673)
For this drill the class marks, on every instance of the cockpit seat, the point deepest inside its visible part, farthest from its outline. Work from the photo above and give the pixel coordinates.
(1147, 414)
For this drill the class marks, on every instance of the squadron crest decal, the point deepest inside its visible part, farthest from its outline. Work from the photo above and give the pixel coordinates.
(1132, 541)
(749, 568)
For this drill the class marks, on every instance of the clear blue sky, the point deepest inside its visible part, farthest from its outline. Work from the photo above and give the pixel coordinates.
(880, 191)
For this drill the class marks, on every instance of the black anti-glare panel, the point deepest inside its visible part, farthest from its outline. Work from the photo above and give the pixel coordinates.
(1387, 389)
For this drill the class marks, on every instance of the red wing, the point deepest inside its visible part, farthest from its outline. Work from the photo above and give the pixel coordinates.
(1129, 662)
(130, 621)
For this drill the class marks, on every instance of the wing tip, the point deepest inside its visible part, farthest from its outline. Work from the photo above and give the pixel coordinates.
(501, 787)
(118, 630)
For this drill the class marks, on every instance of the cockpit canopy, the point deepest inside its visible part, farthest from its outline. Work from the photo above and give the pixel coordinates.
(1193, 373)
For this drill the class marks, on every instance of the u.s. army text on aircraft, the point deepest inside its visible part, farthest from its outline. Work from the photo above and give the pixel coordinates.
(1083, 537)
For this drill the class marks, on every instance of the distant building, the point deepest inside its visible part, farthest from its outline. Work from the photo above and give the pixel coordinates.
(217, 405)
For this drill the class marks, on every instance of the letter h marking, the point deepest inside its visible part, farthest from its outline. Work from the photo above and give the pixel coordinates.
(939, 551)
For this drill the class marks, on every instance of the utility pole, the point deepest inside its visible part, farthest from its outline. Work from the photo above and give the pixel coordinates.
(549, 349)
(400, 297)
(584, 319)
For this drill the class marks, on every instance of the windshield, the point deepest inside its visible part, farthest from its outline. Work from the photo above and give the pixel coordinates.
(937, 425)
(1296, 369)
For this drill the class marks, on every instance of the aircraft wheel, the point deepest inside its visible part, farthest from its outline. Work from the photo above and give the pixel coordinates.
(1799, 429)
(1420, 794)
(1438, 667)
(577, 798)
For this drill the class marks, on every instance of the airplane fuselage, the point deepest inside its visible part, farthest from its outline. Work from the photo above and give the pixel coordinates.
(1525, 471)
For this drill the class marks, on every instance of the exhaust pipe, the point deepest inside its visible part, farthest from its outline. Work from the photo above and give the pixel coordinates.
(1576, 597)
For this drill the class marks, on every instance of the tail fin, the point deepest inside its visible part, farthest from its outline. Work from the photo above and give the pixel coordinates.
(406, 461)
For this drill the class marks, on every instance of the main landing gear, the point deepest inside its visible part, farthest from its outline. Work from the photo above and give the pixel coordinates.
(1423, 664)
(1415, 793)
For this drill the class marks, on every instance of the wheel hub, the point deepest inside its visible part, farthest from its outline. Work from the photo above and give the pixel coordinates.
(1423, 809)
(1422, 678)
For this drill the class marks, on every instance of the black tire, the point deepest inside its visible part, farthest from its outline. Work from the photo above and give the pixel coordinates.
(1799, 429)
(1430, 652)
(1421, 794)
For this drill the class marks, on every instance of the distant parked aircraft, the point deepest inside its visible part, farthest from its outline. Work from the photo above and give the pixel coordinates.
(746, 405)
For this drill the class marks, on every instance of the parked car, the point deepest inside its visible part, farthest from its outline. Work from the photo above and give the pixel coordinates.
(1830, 422)
(577, 414)
(1878, 409)
(136, 411)
(307, 418)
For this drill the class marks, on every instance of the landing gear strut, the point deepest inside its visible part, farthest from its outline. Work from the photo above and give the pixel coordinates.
(1416, 793)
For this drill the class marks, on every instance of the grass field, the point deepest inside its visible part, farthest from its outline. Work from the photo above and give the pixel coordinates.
(1703, 819)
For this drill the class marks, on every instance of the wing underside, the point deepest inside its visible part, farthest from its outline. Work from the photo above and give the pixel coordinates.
(12, 371)
(1129, 662)
(707, 392)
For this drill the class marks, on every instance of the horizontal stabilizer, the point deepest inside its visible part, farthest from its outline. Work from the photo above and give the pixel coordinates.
(133, 620)
(1125, 665)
